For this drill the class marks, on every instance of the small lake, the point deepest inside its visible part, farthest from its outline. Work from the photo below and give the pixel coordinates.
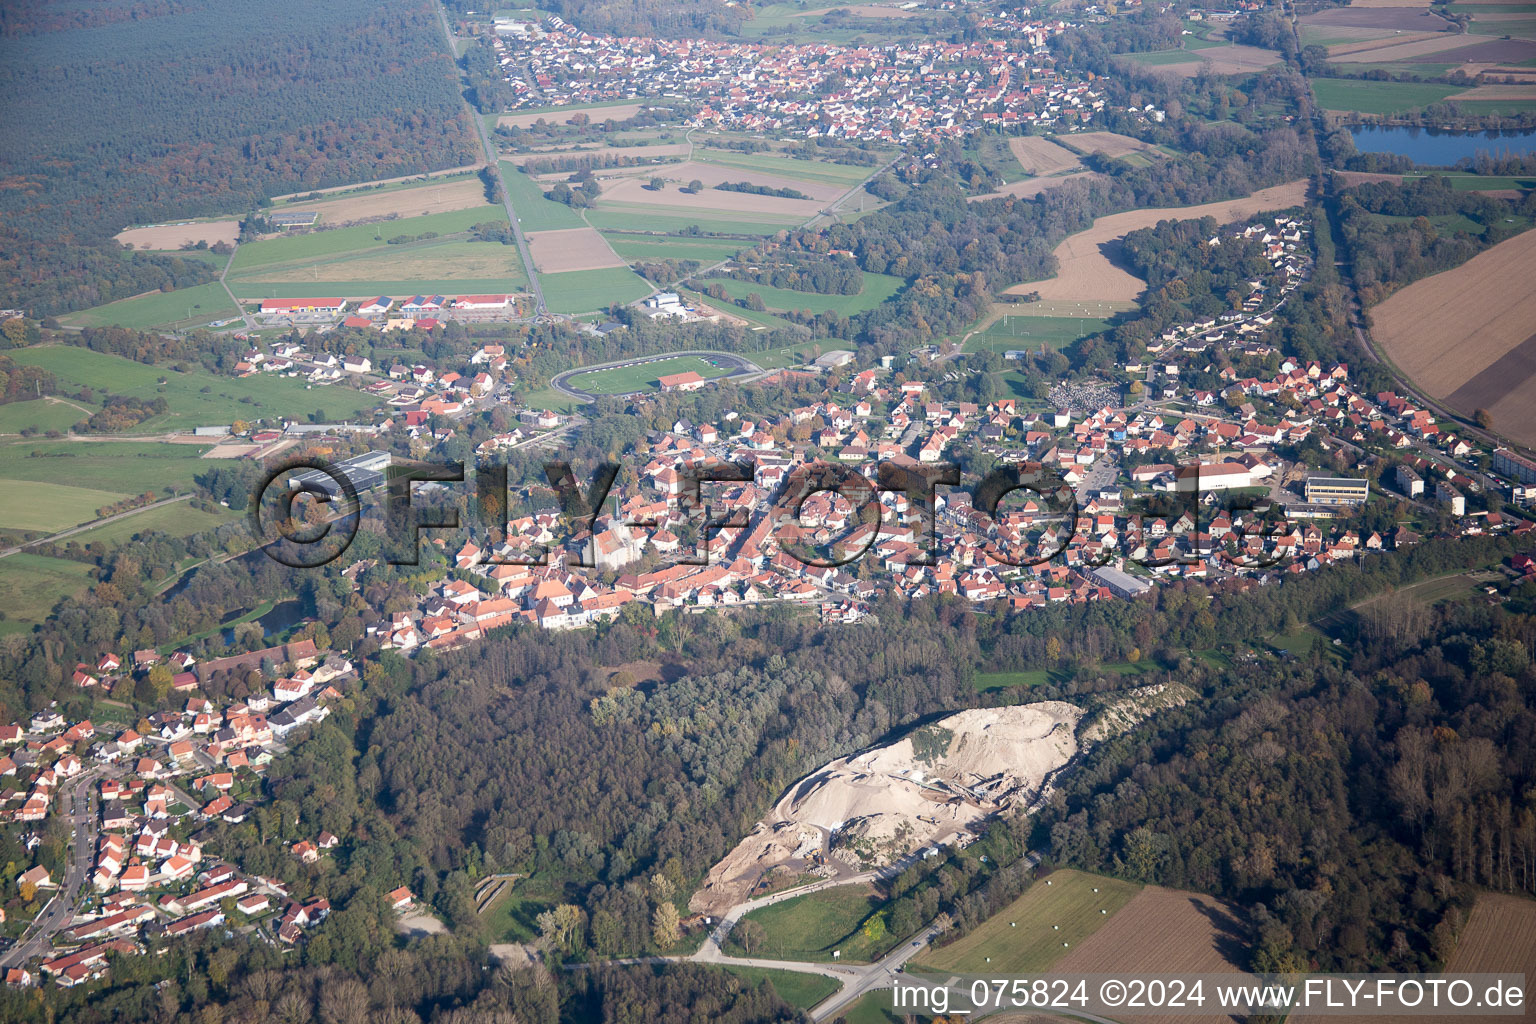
(1439, 147)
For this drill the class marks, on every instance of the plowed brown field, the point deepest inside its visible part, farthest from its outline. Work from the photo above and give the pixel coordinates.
(1468, 336)
(1084, 270)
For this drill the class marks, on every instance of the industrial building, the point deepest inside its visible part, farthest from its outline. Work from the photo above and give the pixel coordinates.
(1337, 490)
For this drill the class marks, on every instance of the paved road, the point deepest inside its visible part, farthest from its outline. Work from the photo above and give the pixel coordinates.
(742, 365)
(250, 323)
(77, 803)
(491, 155)
(92, 525)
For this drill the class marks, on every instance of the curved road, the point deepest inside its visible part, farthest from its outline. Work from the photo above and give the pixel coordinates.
(741, 366)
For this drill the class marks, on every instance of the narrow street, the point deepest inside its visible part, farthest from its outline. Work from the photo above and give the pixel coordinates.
(77, 805)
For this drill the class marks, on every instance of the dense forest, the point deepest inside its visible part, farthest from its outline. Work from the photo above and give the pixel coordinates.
(1398, 233)
(267, 97)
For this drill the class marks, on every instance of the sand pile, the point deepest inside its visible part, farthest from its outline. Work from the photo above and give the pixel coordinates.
(929, 787)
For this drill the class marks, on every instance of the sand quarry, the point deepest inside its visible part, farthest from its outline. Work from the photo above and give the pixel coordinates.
(932, 786)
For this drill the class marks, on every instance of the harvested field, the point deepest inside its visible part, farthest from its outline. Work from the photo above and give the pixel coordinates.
(1031, 187)
(456, 194)
(1041, 156)
(1164, 932)
(1493, 50)
(1468, 336)
(1237, 60)
(1399, 17)
(711, 174)
(1085, 272)
(1382, 51)
(563, 115)
(636, 192)
(1499, 938)
(174, 236)
(1107, 143)
(1419, 5)
(1526, 93)
(572, 249)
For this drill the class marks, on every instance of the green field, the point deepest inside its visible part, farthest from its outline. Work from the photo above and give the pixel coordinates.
(204, 302)
(296, 249)
(672, 247)
(1158, 58)
(49, 507)
(1060, 677)
(623, 380)
(121, 467)
(178, 520)
(458, 265)
(877, 288)
(513, 915)
(1483, 182)
(625, 217)
(1027, 936)
(534, 212)
(1030, 332)
(197, 398)
(799, 990)
(42, 415)
(1377, 97)
(846, 175)
(845, 918)
(30, 585)
(578, 291)
(752, 316)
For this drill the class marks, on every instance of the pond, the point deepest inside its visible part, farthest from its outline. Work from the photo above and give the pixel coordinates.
(1440, 147)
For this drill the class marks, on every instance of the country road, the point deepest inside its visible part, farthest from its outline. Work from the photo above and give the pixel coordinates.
(491, 156)
(6, 552)
(854, 980)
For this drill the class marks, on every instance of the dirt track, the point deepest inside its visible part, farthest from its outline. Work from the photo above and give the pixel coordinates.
(1085, 273)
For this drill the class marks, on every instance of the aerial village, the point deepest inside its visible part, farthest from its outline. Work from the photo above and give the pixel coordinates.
(148, 798)
(895, 92)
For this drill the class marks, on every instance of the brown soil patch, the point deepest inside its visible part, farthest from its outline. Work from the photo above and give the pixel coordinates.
(1237, 60)
(571, 249)
(1031, 187)
(1466, 336)
(1399, 17)
(1497, 92)
(1493, 50)
(1107, 143)
(1499, 938)
(1085, 273)
(562, 115)
(1163, 932)
(174, 236)
(1042, 156)
(1442, 40)
(458, 194)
